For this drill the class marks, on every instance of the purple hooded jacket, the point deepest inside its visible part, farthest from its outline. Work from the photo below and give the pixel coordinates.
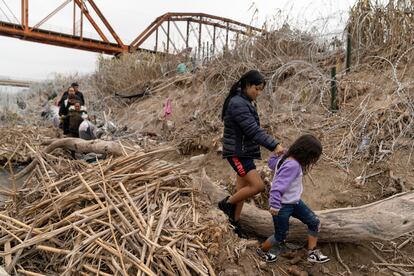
(287, 184)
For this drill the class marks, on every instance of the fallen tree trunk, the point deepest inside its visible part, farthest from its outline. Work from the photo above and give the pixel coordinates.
(386, 219)
(77, 145)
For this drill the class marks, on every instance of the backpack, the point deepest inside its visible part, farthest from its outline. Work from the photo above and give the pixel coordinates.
(75, 119)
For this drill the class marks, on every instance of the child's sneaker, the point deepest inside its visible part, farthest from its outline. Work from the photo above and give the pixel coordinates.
(266, 256)
(228, 208)
(316, 256)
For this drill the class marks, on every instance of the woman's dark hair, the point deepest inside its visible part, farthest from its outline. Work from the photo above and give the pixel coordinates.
(306, 150)
(249, 78)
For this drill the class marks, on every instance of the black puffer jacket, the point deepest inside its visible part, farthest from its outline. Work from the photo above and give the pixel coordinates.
(242, 132)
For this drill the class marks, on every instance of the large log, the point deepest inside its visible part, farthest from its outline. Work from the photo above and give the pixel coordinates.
(386, 219)
(77, 145)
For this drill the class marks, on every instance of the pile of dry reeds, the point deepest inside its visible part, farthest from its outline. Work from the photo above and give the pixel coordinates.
(135, 215)
(13, 142)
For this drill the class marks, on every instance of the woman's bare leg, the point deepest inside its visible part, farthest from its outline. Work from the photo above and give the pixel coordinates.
(240, 184)
(252, 185)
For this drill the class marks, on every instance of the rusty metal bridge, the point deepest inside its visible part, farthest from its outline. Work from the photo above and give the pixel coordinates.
(172, 33)
(15, 83)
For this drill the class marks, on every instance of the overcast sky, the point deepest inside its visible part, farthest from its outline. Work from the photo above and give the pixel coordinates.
(28, 60)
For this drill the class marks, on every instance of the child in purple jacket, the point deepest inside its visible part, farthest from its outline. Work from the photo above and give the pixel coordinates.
(285, 194)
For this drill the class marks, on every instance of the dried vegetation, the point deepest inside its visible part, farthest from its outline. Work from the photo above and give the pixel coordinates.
(134, 214)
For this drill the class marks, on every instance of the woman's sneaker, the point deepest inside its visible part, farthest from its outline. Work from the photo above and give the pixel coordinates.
(266, 256)
(238, 229)
(228, 208)
(316, 256)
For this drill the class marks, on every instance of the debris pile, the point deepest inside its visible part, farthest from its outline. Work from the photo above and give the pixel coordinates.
(13, 142)
(133, 215)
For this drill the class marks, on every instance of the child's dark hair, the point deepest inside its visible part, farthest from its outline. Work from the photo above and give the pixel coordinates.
(253, 77)
(306, 150)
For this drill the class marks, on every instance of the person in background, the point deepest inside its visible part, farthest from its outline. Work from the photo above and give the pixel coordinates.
(64, 109)
(79, 94)
(76, 115)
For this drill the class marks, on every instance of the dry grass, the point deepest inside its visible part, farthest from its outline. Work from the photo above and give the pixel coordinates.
(131, 73)
(381, 30)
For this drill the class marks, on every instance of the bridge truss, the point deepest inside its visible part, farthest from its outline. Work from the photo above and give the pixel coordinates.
(201, 34)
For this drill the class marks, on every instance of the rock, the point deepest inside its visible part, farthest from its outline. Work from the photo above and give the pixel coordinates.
(262, 264)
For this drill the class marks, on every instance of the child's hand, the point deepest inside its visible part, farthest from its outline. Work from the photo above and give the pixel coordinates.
(279, 150)
(274, 212)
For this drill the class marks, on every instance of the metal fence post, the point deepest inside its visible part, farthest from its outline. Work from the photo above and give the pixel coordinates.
(334, 102)
(348, 51)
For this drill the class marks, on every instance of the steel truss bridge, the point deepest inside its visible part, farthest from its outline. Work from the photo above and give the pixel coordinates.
(172, 33)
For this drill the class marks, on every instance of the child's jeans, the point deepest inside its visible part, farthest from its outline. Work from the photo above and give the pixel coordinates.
(301, 212)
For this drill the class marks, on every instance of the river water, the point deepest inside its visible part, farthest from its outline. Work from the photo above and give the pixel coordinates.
(6, 184)
(8, 102)
(8, 97)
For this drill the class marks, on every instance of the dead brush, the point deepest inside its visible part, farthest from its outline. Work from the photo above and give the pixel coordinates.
(13, 142)
(379, 29)
(131, 72)
(132, 215)
(286, 57)
(297, 65)
(378, 125)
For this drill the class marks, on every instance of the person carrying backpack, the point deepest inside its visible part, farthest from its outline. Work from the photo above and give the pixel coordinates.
(75, 116)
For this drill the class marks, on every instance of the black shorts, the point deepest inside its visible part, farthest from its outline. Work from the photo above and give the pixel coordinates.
(241, 165)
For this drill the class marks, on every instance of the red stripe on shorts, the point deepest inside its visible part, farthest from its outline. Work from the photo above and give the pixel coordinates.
(239, 166)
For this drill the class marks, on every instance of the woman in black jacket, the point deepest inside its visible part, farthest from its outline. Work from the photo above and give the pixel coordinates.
(242, 139)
